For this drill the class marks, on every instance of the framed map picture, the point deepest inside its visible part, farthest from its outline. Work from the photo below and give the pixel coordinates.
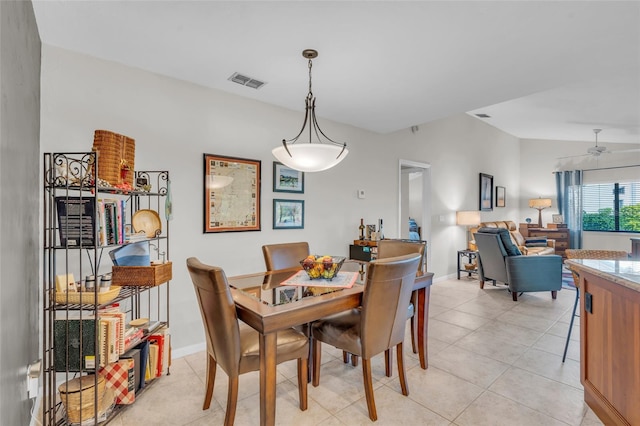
(231, 194)
(286, 179)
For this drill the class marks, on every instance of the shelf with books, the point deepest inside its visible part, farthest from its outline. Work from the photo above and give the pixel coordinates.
(86, 319)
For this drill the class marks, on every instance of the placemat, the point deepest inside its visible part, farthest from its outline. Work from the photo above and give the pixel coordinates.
(342, 280)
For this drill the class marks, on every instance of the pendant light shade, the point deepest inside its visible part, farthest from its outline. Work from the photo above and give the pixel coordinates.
(311, 156)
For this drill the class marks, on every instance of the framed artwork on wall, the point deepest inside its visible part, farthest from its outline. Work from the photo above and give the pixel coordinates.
(501, 196)
(288, 214)
(486, 192)
(286, 179)
(231, 194)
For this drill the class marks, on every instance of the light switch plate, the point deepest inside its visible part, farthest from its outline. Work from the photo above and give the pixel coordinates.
(361, 194)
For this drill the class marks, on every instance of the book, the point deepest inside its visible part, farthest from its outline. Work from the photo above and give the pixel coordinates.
(120, 326)
(158, 339)
(76, 220)
(152, 366)
(74, 344)
(134, 354)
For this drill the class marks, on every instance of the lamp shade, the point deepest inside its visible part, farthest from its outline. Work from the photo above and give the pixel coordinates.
(540, 203)
(310, 157)
(468, 217)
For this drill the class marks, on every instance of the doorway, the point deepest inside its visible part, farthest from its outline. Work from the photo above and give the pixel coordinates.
(414, 206)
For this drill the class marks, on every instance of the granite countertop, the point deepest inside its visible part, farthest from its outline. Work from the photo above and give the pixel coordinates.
(623, 272)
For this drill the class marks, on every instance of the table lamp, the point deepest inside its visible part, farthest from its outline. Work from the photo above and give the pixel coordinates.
(468, 218)
(540, 204)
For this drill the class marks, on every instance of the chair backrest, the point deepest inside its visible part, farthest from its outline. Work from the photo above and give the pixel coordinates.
(285, 255)
(395, 248)
(218, 314)
(385, 301)
(491, 255)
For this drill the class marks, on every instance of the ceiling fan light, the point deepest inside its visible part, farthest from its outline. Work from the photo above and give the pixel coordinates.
(310, 157)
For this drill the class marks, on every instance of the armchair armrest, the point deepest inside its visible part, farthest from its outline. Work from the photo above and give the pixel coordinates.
(534, 273)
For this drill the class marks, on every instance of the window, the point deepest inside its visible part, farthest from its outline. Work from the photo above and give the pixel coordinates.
(612, 207)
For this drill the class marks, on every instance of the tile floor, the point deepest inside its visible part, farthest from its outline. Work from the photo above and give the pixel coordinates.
(492, 361)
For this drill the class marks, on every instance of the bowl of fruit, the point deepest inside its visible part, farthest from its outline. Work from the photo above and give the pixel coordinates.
(322, 267)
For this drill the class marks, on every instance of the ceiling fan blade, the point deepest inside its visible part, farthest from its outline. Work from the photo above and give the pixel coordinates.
(574, 156)
(623, 151)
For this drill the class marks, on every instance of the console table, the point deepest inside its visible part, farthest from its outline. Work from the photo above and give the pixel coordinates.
(560, 235)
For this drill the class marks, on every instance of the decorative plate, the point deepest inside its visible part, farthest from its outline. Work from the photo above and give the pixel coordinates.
(147, 221)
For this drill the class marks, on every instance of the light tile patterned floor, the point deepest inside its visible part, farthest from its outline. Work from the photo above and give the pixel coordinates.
(492, 361)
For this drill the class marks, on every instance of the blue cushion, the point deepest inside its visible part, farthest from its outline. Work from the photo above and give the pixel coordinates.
(509, 247)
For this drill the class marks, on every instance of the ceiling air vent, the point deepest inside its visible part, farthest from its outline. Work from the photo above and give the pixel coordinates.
(483, 115)
(236, 77)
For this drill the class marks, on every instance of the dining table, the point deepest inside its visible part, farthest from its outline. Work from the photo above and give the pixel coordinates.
(267, 306)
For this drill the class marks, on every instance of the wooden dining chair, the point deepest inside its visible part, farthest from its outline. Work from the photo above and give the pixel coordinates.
(233, 345)
(377, 326)
(284, 255)
(586, 254)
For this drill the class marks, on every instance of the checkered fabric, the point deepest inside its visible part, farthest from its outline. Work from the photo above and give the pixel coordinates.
(120, 376)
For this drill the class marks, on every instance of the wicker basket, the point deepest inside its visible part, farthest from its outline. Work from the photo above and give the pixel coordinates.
(87, 297)
(116, 157)
(78, 396)
(142, 275)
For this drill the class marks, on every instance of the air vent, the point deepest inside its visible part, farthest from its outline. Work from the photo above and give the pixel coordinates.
(236, 77)
(483, 115)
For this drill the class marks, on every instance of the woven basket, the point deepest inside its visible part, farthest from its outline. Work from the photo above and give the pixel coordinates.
(87, 297)
(78, 397)
(116, 157)
(142, 275)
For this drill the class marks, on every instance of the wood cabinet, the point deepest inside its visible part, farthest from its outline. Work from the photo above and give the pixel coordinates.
(610, 349)
(560, 235)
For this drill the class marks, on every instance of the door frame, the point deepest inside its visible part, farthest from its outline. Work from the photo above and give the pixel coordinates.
(426, 200)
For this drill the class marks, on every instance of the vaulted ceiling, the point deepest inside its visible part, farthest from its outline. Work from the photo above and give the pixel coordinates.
(542, 70)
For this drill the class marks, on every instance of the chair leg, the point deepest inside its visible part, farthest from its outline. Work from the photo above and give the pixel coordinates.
(514, 296)
(401, 372)
(315, 381)
(481, 284)
(232, 400)
(211, 379)
(554, 294)
(303, 372)
(354, 360)
(368, 389)
(573, 315)
(414, 332)
(388, 360)
(345, 357)
(414, 322)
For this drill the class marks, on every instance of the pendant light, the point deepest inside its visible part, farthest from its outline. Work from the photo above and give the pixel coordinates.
(310, 156)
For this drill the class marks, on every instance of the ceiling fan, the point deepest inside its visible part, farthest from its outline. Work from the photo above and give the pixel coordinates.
(597, 150)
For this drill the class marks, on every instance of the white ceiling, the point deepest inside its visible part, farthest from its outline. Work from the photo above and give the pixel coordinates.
(543, 70)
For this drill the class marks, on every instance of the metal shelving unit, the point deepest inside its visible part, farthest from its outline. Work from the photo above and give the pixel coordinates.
(70, 176)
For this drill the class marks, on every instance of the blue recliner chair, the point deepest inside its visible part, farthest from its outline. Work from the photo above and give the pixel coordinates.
(500, 260)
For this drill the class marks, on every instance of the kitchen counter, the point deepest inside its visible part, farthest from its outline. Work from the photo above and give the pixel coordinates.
(609, 343)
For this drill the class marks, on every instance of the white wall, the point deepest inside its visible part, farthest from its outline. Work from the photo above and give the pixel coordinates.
(540, 158)
(19, 201)
(175, 122)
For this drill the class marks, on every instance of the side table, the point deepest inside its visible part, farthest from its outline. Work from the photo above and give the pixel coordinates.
(472, 257)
